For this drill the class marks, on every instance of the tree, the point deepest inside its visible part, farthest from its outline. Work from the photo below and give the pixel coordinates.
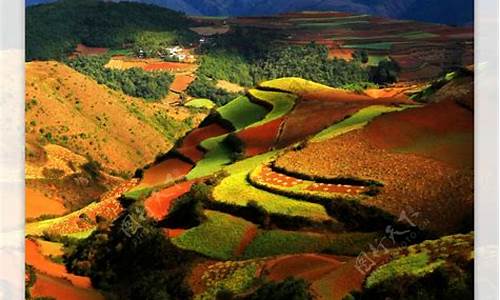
(186, 212)
(289, 289)
(361, 56)
(386, 72)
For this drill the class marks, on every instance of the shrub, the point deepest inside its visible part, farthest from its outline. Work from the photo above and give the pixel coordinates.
(204, 87)
(386, 72)
(289, 289)
(186, 212)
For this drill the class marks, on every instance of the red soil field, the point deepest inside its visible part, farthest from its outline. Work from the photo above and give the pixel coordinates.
(341, 281)
(168, 66)
(173, 233)
(193, 153)
(60, 289)
(35, 258)
(181, 83)
(260, 139)
(441, 193)
(158, 205)
(190, 143)
(299, 124)
(38, 204)
(341, 53)
(166, 171)
(431, 125)
(306, 266)
(84, 50)
(200, 134)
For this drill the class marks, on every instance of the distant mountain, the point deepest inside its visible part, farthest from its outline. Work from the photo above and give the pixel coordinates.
(456, 12)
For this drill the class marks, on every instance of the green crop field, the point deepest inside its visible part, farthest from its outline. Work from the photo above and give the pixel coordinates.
(218, 237)
(201, 103)
(242, 113)
(236, 190)
(294, 85)
(282, 103)
(278, 242)
(371, 46)
(217, 156)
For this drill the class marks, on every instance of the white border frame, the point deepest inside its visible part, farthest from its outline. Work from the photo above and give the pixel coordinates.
(12, 149)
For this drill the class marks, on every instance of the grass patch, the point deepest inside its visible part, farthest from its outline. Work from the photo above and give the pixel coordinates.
(417, 265)
(294, 85)
(282, 103)
(218, 237)
(278, 242)
(217, 156)
(200, 103)
(138, 194)
(228, 276)
(242, 113)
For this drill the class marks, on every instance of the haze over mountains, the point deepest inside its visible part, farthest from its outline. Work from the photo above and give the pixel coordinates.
(455, 12)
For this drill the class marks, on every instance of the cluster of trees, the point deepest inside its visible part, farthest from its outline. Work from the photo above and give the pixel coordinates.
(132, 258)
(206, 87)
(134, 82)
(54, 29)
(451, 282)
(310, 62)
(227, 65)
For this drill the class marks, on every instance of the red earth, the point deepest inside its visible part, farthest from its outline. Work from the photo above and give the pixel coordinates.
(44, 265)
(306, 266)
(181, 83)
(299, 124)
(60, 289)
(436, 127)
(173, 233)
(260, 139)
(166, 171)
(189, 147)
(158, 204)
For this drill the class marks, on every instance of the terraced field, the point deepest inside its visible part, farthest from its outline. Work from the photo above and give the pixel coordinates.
(237, 184)
(442, 191)
(423, 50)
(294, 184)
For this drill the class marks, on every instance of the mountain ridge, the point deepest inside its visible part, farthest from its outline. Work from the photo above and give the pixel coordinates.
(452, 12)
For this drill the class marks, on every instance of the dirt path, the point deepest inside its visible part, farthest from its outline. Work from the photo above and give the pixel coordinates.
(248, 237)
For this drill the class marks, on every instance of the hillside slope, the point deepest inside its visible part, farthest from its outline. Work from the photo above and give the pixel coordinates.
(121, 133)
